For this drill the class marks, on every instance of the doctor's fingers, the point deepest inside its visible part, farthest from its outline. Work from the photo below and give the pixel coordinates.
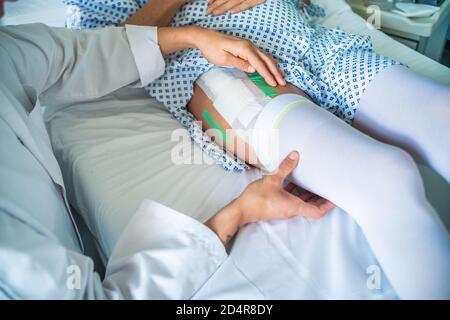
(305, 196)
(250, 65)
(314, 209)
(270, 62)
(284, 170)
(240, 64)
(316, 200)
(218, 7)
(264, 65)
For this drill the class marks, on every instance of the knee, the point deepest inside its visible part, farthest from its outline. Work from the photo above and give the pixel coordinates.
(439, 103)
(394, 173)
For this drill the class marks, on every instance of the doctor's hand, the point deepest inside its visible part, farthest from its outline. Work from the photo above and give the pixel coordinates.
(218, 7)
(221, 50)
(266, 199)
(228, 51)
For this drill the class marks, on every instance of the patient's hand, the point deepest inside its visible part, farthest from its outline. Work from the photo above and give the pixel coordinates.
(218, 7)
(266, 199)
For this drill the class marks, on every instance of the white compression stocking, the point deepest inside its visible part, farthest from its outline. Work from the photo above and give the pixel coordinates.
(409, 111)
(378, 185)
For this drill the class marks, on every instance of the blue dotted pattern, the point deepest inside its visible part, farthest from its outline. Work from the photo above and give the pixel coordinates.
(331, 66)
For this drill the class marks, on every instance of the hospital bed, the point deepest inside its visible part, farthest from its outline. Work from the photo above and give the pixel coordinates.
(117, 151)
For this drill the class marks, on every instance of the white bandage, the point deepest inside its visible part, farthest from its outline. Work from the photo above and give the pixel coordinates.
(226, 86)
(241, 102)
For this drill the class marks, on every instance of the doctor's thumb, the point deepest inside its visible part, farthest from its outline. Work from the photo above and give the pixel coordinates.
(286, 167)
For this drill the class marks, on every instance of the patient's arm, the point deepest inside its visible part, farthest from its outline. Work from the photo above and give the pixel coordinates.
(203, 110)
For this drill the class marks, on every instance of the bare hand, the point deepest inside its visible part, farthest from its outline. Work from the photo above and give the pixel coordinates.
(218, 7)
(266, 199)
(227, 51)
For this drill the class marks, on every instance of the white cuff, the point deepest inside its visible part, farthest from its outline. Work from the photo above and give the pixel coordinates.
(163, 254)
(168, 223)
(147, 54)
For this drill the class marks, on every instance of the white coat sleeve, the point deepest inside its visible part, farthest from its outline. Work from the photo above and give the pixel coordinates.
(161, 254)
(63, 66)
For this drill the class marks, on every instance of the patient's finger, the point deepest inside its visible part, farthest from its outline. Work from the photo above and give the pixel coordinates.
(244, 5)
(272, 65)
(239, 8)
(226, 7)
(212, 6)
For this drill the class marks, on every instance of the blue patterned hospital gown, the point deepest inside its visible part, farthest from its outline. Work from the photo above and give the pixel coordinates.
(331, 66)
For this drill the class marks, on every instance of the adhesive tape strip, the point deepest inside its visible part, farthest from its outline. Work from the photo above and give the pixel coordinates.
(233, 94)
(213, 123)
(250, 112)
(232, 100)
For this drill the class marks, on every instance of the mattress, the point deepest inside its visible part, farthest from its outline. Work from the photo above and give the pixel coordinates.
(117, 151)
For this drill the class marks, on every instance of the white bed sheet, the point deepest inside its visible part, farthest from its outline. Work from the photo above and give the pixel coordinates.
(116, 152)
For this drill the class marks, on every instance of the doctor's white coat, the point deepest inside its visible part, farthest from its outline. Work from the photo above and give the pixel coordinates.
(161, 254)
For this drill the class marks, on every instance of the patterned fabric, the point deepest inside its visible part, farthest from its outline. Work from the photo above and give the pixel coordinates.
(313, 10)
(332, 67)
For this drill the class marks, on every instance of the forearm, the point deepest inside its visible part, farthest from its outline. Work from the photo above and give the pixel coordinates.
(225, 223)
(171, 40)
(156, 13)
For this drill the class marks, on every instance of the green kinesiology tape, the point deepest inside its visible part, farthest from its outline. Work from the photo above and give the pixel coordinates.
(213, 123)
(262, 84)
